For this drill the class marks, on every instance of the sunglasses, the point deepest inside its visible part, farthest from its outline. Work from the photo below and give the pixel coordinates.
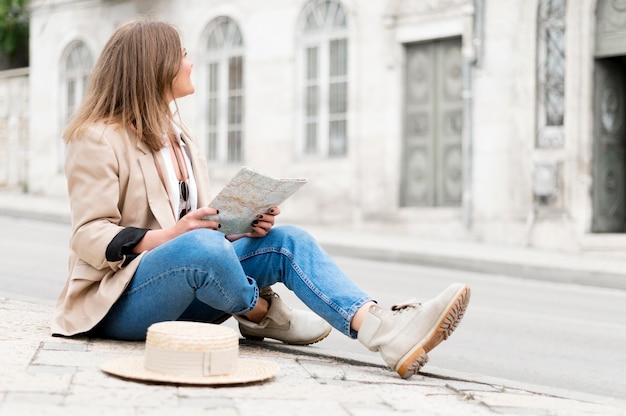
(184, 204)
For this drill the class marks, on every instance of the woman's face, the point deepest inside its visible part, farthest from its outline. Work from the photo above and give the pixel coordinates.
(181, 85)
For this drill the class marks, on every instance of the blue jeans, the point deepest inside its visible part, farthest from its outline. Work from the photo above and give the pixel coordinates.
(201, 276)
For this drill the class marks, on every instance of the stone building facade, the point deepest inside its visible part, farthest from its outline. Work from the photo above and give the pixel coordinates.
(487, 120)
(14, 103)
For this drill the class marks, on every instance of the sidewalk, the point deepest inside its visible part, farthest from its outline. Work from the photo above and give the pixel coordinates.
(44, 375)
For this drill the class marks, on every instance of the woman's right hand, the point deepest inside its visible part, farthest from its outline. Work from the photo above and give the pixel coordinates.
(205, 217)
(192, 221)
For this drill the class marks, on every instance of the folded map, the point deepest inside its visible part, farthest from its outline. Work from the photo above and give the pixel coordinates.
(248, 194)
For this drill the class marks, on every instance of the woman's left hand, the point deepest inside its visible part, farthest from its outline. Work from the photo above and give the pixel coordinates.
(261, 226)
(263, 223)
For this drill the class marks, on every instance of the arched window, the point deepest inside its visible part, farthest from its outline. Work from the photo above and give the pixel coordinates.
(75, 69)
(224, 91)
(550, 73)
(324, 79)
(78, 63)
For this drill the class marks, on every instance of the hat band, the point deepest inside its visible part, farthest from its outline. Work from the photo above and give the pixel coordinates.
(191, 363)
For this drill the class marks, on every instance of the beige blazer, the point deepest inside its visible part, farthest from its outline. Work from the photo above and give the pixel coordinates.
(113, 182)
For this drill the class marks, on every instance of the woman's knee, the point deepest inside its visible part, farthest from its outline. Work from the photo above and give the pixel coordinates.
(205, 246)
(293, 233)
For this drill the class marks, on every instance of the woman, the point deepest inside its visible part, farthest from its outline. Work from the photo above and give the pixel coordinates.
(141, 252)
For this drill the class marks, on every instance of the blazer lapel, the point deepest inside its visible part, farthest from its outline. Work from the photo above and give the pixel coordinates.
(158, 198)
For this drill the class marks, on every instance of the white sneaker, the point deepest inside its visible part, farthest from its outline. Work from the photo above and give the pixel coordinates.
(406, 333)
(291, 326)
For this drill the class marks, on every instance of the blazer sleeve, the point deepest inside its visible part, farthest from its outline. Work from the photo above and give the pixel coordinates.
(121, 247)
(92, 171)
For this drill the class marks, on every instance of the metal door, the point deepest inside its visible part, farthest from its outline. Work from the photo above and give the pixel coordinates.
(431, 157)
(609, 188)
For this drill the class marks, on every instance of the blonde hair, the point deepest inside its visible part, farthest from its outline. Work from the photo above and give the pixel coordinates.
(131, 82)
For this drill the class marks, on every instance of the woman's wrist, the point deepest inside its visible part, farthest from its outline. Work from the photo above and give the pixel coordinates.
(152, 239)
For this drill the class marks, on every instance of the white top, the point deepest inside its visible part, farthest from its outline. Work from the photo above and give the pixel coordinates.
(172, 181)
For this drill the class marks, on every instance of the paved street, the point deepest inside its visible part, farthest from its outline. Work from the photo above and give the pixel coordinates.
(34, 257)
(554, 334)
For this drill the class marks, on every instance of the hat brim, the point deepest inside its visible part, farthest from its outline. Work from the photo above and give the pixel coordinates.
(249, 371)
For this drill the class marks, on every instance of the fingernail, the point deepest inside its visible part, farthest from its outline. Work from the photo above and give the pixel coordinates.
(260, 216)
(219, 225)
(271, 210)
(217, 211)
(255, 222)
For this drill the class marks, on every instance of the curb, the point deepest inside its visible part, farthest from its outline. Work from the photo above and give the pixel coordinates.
(585, 277)
(465, 256)
(358, 360)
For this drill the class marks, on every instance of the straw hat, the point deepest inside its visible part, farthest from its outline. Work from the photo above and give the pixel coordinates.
(180, 352)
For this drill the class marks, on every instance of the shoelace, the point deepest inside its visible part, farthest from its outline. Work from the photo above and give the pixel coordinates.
(409, 304)
(267, 292)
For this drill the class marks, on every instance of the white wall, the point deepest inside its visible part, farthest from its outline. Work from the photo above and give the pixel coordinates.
(14, 97)
(362, 189)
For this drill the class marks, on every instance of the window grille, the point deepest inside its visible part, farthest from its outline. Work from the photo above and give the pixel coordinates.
(551, 73)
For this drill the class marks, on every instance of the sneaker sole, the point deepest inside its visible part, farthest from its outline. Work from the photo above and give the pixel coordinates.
(415, 359)
(307, 342)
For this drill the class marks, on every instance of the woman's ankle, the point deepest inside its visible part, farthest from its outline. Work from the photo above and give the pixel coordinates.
(360, 315)
(259, 311)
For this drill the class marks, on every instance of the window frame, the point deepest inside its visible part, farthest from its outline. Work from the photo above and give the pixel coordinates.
(321, 38)
(78, 75)
(219, 59)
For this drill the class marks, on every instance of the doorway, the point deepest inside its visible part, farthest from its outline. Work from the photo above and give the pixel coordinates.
(609, 142)
(433, 120)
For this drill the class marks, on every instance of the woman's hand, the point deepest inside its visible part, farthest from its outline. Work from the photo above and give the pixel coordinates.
(263, 223)
(205, 217)
(261, 226)
(192, 221)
